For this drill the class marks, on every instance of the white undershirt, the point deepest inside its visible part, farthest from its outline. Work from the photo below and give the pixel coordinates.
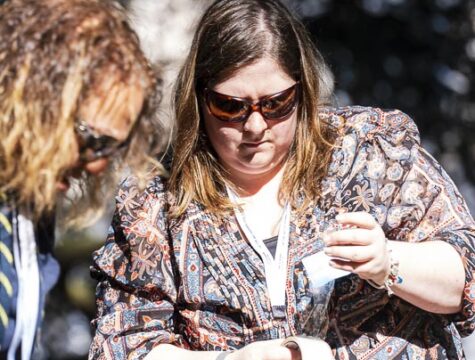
(275, 268)
(26, 264)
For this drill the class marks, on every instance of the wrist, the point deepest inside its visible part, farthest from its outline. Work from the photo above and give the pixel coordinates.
(392, 276)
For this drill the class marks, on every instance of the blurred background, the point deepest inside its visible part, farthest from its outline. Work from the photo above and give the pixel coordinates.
(417, 56)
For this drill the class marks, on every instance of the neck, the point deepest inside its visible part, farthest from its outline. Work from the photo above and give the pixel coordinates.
(251, 184)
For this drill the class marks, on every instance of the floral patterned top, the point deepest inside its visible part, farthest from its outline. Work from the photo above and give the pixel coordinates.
(195, 282)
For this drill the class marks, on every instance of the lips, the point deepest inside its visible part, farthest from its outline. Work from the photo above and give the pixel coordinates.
(63, 185)
(254, 144)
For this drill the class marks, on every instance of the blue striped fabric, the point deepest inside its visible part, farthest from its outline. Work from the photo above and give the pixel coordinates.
(8, 279)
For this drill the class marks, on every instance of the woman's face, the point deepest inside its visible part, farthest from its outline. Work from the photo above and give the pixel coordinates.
(255, 146)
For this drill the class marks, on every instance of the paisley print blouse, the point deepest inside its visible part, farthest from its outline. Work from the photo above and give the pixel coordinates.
(194, 282)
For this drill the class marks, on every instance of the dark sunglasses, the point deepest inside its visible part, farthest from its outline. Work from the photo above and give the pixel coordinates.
(235, 109)
(93, 146)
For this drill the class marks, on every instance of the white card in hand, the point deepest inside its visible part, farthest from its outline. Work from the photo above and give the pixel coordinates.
(319, 270)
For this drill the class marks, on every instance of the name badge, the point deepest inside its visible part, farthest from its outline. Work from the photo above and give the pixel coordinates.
(319, 270)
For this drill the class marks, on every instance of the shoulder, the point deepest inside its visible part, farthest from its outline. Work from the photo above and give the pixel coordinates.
(370, 140)
(366, 123)
(136, 202)
(137, 232)
(133, 194)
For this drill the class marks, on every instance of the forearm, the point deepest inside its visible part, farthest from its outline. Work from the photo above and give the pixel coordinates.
(432, 272)
(167, 351)
(433, 275)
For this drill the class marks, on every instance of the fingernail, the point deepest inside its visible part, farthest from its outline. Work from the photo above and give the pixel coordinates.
(338, 217)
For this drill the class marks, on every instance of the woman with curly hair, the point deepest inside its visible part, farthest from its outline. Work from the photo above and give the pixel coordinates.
(77, 99)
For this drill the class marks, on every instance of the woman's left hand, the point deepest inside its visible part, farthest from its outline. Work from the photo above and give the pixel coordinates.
(360, 248)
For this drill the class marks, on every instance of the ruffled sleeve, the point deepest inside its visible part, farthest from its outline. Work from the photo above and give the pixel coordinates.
(439, 213)
(136, 293)
(380, 167)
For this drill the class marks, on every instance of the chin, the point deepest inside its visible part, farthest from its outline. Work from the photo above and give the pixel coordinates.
(262, 166)
(257, 169)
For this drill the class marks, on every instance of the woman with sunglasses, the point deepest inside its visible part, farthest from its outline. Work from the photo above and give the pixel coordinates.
(267, 182)
(76, 93)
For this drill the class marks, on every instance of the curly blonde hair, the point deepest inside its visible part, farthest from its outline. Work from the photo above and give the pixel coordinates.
(54, 54)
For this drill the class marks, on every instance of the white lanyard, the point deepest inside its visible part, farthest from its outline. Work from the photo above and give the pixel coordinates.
(26, 264)
(275, 269)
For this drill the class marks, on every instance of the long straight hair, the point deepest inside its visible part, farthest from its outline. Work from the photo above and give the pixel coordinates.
(233, 34)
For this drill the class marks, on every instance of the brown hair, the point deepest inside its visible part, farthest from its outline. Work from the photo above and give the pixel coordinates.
(231, 35)
(54, 54)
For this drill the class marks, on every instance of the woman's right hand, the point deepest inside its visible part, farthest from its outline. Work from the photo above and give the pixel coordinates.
(259, 350)
(265, 350)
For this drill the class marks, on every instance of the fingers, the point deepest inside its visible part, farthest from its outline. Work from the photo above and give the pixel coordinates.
(360, 248)
(266, 350)
(347, 237)
(360, 219)
(350, 253)
(345, 265)
(282, 353)
(364, 241)
(363, 270)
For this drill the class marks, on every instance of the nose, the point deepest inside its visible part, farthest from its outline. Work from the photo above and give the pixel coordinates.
(255, 123)
(97, 166)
